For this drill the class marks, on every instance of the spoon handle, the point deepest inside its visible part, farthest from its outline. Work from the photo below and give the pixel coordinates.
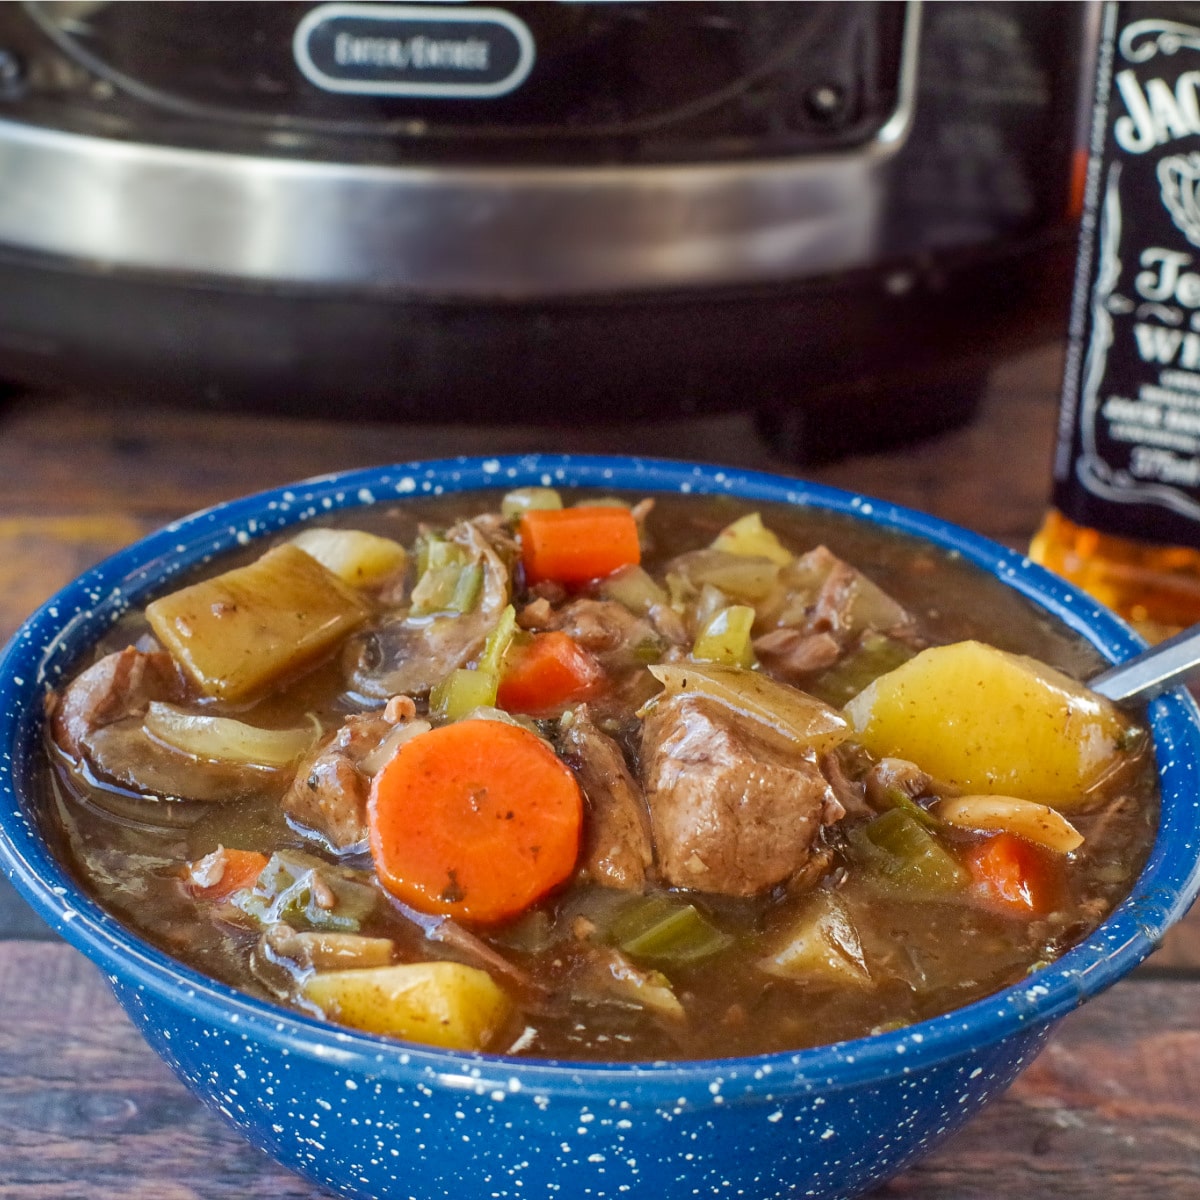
(1172, 662)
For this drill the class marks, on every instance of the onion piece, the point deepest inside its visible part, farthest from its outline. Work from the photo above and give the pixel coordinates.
(1008, 814)
(373, 762)
(227, 740)
(780, 713)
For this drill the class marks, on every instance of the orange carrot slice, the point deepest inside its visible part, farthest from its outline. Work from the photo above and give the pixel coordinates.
(225, 871)
(573, 545)
(547, 673)
(1015, 875)
(477, 820)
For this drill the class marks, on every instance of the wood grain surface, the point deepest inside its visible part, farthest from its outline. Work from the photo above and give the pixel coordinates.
(1110, 1110)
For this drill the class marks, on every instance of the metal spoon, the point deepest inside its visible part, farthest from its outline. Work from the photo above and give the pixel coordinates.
(1175, 661)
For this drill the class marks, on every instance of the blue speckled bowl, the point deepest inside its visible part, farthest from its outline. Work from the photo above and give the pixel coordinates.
(378, 1120)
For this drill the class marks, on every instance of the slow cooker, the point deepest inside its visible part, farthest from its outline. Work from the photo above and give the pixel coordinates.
(832, 214)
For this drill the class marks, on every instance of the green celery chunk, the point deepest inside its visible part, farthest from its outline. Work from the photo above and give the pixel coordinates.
(466, 689)
(894, 798)
(905, 858)
(725, 637)
(449, 581)
(498, 642)
(463, 691)
(666, 931)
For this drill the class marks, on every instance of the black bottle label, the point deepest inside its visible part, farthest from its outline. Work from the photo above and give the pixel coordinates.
(1128, 459)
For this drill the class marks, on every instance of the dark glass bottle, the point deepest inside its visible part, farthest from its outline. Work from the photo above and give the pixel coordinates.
(1125, 521)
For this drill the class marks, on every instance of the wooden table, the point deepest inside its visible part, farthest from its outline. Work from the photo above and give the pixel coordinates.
(1111, 1109)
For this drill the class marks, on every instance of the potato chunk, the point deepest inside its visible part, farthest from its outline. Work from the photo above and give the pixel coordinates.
(822, 946)
(438, 1003)
(238, 632)
(990, 722)
(356, 557)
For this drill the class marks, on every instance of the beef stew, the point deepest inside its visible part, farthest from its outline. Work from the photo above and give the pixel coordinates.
(727, 779)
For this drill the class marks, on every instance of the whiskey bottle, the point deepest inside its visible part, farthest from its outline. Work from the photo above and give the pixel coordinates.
(1125, 521)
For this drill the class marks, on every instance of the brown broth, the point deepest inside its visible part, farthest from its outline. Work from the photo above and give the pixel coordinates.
(933, 955)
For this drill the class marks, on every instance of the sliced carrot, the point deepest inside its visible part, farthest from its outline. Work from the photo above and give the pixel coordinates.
(547, 673)
(218, 875)
(1015, 875)
(478, 820)
(573, 545)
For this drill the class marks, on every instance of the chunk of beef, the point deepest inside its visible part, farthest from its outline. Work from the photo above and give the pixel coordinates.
(409, 654)
(851, 793)
(605, 628)
(328, 796)
(98, 720)
(127, 755)
(120, 685)
(617, 847)
(790, 653)
(603, 975)
(729, 812)
(827, 595)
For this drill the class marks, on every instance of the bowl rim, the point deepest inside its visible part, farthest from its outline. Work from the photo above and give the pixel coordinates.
(52, 638)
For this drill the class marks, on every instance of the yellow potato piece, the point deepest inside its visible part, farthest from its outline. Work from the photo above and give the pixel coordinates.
(821, 947)
(238, 632)
(990, 722)
(437, 1003)
(356, 557)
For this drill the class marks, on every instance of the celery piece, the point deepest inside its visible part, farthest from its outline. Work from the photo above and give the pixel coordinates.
(905, 858)
(306, 893)
(527, 499)
(433, 550)
(749, 537)
(725, 637)
(661, 929)
(237, 633)
(463, 691)
(876, 654)
(467, 588)
(498, 641)
(449, 582)
(895, 797)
